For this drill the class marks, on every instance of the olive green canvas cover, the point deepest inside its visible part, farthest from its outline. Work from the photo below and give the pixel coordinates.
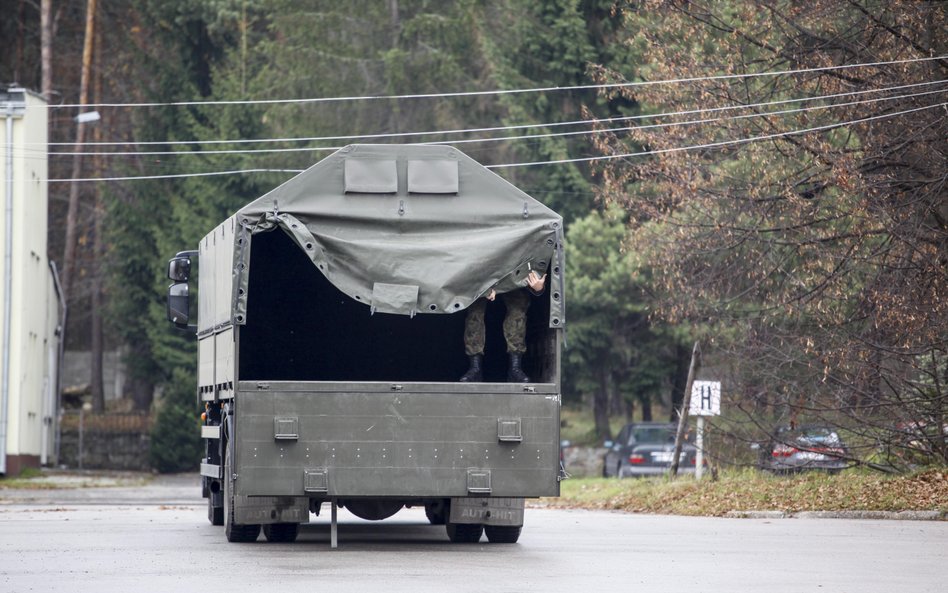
(409, 229)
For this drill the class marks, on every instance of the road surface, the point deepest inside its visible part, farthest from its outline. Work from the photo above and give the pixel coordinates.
(157, 538)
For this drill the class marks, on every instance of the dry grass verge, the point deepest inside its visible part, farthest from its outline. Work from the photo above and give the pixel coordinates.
(754, 491)
(33, 479)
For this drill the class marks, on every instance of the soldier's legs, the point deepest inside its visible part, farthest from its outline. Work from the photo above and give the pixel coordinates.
(474, 330)
(515, 332)
(515, 321)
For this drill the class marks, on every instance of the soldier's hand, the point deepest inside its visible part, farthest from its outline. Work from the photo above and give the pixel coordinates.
(536, 281)
(491, 295)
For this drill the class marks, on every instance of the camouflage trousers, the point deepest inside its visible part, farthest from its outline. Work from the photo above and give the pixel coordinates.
(515, 323)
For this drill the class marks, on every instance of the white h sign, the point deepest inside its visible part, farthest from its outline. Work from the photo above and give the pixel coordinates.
(705, 398)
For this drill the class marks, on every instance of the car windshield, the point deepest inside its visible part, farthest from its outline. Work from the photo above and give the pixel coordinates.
(813, 436)
(652, 434)
(819, 436)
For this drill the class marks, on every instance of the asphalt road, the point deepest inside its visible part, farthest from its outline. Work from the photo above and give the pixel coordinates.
(157, 538)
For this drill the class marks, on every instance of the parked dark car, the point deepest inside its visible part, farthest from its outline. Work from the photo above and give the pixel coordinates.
(811, 447)
(646, 449)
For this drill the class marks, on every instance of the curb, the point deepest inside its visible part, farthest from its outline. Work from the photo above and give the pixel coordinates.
(756, 515)
(874, 515)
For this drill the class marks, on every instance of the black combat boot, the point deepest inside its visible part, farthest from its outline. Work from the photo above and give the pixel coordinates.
(474, 374)
(514, 373)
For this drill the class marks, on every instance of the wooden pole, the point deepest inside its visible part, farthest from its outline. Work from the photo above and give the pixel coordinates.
(685, 404)
(72, 214)
(46, 48)
(699, 444)
(97, 381)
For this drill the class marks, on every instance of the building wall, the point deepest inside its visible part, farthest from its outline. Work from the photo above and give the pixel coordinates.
(35, 307)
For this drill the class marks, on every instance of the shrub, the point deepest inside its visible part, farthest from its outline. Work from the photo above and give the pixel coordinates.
(176, 434)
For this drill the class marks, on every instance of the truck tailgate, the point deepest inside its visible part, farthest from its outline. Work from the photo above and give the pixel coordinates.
(400, 440)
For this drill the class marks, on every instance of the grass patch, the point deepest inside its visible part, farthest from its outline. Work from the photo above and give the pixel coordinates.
(34, 479)
(25, 479)
(18, 484)
(750, 490)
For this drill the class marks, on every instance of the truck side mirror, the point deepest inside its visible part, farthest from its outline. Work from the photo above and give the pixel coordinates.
(179, 302)
(179, 269)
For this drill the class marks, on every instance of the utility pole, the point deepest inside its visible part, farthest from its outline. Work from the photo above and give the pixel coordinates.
(683, 414)
(72, 215)
(46, 47)
(96, 381)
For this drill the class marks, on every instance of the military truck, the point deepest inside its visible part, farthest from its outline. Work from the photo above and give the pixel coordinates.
(330, 318)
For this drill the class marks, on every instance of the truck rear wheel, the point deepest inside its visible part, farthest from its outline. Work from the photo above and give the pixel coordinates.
(436, 513)
(239, 533)
(503, 534)
(235, 533)
(281, 532)
(464, 533)
(214, 514)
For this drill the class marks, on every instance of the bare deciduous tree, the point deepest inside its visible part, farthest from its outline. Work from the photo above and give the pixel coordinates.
(819, 252)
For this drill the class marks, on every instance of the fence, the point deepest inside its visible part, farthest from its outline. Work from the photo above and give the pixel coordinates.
(104, 441)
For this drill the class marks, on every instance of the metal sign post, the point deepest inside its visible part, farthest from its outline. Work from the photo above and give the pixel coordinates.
(705, 401)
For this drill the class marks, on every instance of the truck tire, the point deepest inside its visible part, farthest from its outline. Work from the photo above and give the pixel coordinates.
(503, 534)
(464, 533)
(281, 532)
(214, 514)
(436, 513)
(235, 533)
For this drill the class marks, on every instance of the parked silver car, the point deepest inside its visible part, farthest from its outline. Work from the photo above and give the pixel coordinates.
(811, 447)
(646, 449)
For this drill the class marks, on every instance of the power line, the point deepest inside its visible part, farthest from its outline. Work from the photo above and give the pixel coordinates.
(690, 122)
(494, 128)
(510, 138)
(503, 91)
(179, 175)
(716, 144)
(560, 161)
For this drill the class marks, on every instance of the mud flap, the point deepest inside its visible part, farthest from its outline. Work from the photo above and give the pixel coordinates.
(487, 511)
(264, 510)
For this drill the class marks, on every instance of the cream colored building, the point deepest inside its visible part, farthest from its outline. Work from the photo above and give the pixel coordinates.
(30, 305)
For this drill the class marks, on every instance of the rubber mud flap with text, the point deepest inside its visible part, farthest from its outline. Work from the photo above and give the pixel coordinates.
(487, 511)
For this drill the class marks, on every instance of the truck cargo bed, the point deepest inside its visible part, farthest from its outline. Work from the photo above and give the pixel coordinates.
(379, 439)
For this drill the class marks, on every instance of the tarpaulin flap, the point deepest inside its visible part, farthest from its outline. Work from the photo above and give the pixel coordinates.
(371, 176)
(433, 177)
(394, 298)
(401, 231)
